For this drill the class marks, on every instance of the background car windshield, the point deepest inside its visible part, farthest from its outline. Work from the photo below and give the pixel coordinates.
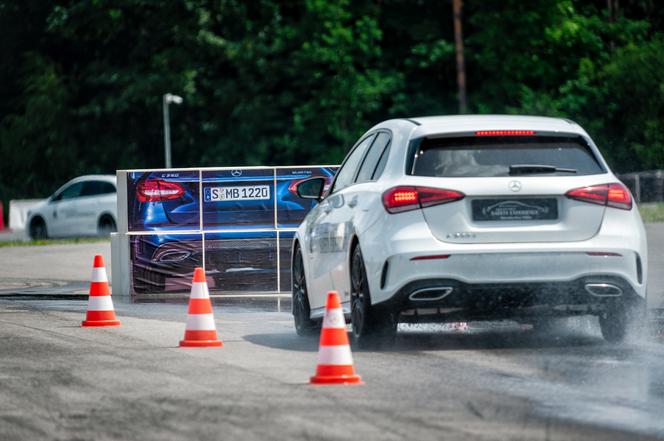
(493, 156)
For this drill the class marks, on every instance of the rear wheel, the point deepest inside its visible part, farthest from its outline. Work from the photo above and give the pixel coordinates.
(621, 320)
(38, 229)
(301, 309)
(106, 226)
(372, 327)
(547, 325)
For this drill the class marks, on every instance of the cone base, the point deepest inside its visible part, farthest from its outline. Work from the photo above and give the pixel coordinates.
(99, 323)
(336, 379)
(200, 343)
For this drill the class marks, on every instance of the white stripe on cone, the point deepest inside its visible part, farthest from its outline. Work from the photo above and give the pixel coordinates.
(200, 322)
(334, 318)
(199, 290)
(100, 303)
(335, 355)
(99, 275)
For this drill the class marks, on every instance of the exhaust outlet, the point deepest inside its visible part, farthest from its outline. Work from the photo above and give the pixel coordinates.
(430, 294)
(603, 289)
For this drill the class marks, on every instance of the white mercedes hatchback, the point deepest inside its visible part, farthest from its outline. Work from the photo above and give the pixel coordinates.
(84, 206)
(460, 218)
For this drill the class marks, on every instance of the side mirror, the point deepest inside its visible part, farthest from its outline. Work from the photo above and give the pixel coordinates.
(311, 188)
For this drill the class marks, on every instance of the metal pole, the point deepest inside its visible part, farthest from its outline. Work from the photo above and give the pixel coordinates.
(167, 130)
(458, 42)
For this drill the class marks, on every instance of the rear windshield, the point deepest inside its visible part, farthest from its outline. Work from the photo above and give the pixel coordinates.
(505, 156)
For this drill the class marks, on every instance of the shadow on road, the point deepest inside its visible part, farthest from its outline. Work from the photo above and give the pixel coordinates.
(487, 340)
(409, 341)
(289, 341)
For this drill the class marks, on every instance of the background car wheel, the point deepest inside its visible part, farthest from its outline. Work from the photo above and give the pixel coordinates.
(621, 320)
(38, 229)
(301, 309)
(372, 327)
(106, 226)
(146, 281)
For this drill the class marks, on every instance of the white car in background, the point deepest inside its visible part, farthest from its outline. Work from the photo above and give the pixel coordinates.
(84, 206)
(471, 218)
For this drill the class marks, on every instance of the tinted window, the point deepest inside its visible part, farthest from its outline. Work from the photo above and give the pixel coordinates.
(493, 156)
(94, 188)
(347, 171)
(373, 156)
(73, 191)
(381, 163)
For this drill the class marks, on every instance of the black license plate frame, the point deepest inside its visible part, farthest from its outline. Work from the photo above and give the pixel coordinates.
(514, 209)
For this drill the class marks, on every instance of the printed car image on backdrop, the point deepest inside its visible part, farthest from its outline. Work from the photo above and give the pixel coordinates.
(238, 222)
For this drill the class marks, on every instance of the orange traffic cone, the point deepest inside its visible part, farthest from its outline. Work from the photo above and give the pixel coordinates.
(335, 361)
(200, 330)
(100, 305)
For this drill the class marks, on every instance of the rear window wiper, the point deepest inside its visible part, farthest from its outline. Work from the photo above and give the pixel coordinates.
(529, 169)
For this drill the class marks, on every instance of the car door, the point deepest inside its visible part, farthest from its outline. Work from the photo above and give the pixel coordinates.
(89, 206)
(360, 197)
(61, 216)
(329, 234)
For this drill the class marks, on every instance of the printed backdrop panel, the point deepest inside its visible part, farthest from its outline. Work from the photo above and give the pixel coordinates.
(237, 223)
(164, 262)
(291, 208)
(238, 199)
(286, 258)
(163, 200)
(243, 261)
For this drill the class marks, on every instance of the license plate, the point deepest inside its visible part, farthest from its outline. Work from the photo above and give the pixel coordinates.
(515, 209)
(243, 193)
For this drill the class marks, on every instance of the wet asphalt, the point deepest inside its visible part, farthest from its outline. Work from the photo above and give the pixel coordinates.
(497, 381)
(491, 381)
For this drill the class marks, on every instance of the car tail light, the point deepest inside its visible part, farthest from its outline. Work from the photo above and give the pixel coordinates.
(619, 197)
(612, 195)
(406, 198)
(505, 133)
(156, 190)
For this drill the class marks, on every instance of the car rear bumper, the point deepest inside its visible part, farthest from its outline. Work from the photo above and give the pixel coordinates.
(449, 299)
(561, 269)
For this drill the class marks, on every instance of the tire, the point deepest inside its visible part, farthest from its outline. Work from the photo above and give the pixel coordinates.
(146, 281)
(38, 229)
(301, 308)
(623, 320)
(372, 327)
(106, 226)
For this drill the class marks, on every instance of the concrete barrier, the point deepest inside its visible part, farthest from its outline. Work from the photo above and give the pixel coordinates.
(18, 212)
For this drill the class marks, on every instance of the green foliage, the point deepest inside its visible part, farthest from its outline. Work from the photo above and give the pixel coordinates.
(298, 82)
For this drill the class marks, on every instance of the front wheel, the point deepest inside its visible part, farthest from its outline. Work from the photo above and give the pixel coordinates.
(301, 309)
(372, 327)
(38, 229)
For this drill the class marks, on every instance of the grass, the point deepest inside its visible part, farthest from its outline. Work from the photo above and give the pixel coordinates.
(30, 243)
(652, 212)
